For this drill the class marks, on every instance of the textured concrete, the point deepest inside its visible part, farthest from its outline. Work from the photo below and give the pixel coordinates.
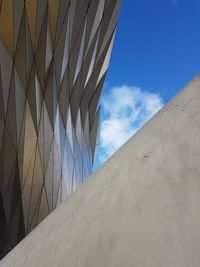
(141, 209)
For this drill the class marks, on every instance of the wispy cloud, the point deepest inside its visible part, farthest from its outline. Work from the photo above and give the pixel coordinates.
(124, 110)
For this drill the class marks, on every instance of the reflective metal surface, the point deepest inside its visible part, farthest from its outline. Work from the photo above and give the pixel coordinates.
(53, 60)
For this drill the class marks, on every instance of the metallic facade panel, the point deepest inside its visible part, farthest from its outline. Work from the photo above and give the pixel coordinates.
(54, 55)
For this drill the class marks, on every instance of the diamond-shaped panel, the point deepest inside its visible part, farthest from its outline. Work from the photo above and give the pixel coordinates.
(54, 55)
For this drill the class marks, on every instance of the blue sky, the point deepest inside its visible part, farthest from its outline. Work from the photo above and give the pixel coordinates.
(155, 53)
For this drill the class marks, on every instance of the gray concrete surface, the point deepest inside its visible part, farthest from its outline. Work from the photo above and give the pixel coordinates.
(141, 209)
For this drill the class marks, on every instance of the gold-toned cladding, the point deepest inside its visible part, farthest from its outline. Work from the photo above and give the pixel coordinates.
(54, 56)
(6, 25)
(53, 16)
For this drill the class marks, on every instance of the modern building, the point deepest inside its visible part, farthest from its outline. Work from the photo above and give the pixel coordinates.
(141, 208)
(54, 56)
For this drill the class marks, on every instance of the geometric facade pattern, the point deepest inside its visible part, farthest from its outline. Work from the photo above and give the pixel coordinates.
(54, 55)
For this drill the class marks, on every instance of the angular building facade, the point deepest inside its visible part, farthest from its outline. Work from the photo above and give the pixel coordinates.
(145, 202)
(54, 56)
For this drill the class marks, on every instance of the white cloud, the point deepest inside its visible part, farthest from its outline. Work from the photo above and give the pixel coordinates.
(124, 110)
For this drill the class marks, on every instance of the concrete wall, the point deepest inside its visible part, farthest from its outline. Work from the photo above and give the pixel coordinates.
(141, 209)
